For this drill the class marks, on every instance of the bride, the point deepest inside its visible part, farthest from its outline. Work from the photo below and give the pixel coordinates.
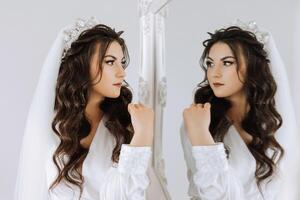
(84, 139)
(234, 132)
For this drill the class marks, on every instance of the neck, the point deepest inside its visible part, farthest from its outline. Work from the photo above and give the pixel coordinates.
(239, 107)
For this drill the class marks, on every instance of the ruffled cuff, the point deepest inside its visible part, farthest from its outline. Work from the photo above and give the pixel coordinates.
(210, 162)
(134, 160)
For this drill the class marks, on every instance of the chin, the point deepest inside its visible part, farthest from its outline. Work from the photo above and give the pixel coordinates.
(220, 95)
(114, 95)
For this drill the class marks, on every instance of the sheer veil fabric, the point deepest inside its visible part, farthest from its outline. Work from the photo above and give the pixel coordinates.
(38, 137)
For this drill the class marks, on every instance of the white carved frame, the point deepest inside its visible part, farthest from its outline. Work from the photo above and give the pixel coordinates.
(152, 78)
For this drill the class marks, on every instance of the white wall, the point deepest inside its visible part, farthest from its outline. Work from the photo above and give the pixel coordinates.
(296, 59)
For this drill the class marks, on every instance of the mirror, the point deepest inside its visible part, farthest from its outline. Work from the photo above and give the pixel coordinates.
(186, 28)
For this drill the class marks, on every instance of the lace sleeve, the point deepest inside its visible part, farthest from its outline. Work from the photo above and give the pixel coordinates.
(129, 179)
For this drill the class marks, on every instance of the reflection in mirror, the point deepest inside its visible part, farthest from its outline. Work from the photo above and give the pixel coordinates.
(242, 129)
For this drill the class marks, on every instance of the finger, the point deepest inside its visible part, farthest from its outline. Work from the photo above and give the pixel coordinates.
(196, 104)
(184, 113)
(129, 108)
(207, 105)
(141, 105)
(200, 105)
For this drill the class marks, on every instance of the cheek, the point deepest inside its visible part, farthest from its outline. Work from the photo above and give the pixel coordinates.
(105, 86)
(107, 75)
(235, 80)
(233, 76)
(208, 75)
(103, 80)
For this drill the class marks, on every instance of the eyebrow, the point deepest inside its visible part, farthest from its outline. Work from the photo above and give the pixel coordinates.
(113, 57)
(224, 58)
(110, 56)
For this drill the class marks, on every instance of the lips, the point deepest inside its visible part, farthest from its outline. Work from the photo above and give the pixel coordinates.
(118, 84)
(218, 84)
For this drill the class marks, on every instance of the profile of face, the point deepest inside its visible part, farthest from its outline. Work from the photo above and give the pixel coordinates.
(224, 76)
(108, 81)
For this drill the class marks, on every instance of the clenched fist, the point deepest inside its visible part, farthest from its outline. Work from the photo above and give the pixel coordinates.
(142, 119)
(197, 119)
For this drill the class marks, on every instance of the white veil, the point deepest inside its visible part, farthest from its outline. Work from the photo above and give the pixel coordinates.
(287, 135)
(38, 137)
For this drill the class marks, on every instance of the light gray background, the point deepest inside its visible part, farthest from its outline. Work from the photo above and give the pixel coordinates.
(29, 28)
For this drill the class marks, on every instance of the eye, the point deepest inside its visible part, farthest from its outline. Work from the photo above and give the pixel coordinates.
(110, 62)
(123, 63)
(228, 63)
(209, 64)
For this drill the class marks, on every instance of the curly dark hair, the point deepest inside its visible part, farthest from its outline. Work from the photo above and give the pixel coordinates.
(262, 120)
(73, 86)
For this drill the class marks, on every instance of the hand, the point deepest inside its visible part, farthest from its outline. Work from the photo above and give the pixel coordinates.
(197, 120)
(142, 119)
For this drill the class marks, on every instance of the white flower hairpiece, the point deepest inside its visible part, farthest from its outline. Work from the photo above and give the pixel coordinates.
(71, 33)
(252, 27)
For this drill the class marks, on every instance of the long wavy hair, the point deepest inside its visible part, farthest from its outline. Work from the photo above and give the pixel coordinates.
(262, 120)
(73, 86)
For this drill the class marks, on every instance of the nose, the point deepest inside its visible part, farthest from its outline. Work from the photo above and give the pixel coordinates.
(120, 71)
(217, 71)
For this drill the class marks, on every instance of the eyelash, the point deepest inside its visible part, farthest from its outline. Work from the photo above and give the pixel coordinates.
(229, 62)
(112, 62)
(209, 63)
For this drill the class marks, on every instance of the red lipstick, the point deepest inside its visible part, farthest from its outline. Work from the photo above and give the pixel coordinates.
(118, 84)
(218, 84)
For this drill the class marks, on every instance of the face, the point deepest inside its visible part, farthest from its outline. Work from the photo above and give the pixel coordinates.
(108, 82)
(222, 74)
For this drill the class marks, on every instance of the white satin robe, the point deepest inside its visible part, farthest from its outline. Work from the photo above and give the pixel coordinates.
(103, 179)
(213, 176)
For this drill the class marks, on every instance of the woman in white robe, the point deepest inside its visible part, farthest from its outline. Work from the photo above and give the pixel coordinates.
(104, 179)
(100, 142)
(228, 134)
